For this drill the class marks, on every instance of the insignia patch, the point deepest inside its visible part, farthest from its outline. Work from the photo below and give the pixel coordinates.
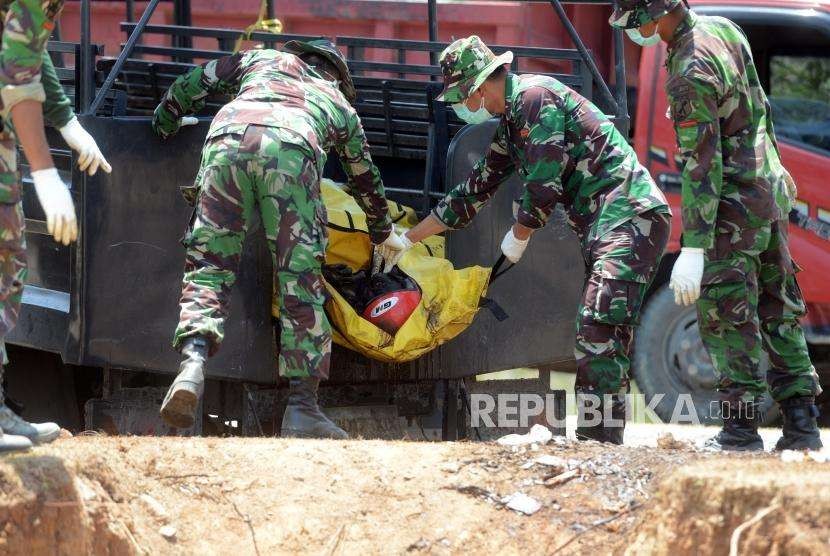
(681, 110)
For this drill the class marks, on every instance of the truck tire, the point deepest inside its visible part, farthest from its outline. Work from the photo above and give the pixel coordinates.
(669, 359)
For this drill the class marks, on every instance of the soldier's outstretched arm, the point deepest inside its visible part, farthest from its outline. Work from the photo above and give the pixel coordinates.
(545, 155)
(694, 108)
(364, 178)
(27, 28)
(543, 128)
(463, 202)
(188, 92)
(57, 110)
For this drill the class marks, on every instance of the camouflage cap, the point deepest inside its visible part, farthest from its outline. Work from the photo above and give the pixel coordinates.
(327, 50)
(466, 63)
(631, 14)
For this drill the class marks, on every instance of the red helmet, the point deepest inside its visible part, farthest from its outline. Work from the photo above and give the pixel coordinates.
(397, 296)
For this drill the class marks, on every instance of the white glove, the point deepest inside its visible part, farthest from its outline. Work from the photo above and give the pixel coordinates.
(686, 276)
(56, 201)
(392, 249)
(89, 155)
(512, 247)
(188, 120)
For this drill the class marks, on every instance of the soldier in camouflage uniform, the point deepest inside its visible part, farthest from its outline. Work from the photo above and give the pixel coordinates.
(26, 26)
(266, 150)
(736, 197)
(565, 151)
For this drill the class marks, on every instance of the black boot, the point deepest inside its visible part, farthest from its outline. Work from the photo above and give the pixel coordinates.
(302, 417)
(800, 428)
(11, 403)
(179, 406)
(604, 431)
(740, 429)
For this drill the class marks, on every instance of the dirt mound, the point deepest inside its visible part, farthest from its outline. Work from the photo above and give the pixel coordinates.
(776, 508)
(138, 495)
(51, 506)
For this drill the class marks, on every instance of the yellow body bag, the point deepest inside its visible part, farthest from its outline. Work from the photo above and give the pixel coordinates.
(449, 298)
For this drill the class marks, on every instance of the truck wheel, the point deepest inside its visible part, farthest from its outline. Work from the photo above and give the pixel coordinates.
(669, 359)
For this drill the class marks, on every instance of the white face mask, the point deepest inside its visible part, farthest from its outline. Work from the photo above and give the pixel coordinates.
(472, 117)
(638, 38)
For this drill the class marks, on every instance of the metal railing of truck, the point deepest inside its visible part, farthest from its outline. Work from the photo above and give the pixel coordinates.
(395, 99)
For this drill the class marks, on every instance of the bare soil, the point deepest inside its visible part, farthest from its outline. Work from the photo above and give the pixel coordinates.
(122, 495)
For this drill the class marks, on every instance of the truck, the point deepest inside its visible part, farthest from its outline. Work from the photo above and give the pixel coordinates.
(790, 42)
(98, 315)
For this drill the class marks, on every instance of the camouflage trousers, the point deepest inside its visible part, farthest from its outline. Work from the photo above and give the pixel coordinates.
(271, 170)
(12, 242)
(750, 299)
(621, 265)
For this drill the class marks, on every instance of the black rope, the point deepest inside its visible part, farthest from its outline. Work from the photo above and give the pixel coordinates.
(497, 271)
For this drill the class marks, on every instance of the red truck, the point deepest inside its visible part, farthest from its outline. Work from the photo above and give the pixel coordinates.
(790, 41)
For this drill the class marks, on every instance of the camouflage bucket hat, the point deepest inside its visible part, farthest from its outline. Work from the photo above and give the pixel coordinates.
(327, 50)
(631, 14)
(466, 63)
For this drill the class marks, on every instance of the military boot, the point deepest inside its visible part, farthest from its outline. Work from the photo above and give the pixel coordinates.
(179, 406)
(13, 426)
(740, 429)
(13, 443)
(11, 403)
(800, 428)
(302, 417)
(605, 431)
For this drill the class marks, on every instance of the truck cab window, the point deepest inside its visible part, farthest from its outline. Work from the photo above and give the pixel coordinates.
(799, 93)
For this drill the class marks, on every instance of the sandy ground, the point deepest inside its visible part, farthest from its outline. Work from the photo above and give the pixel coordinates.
(132, 495)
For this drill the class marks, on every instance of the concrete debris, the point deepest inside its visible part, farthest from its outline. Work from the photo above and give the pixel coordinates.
(822, 456)
(549, 460)
(523, 503)
(561, 478)
(791, 456)
(168, 532)
(538, 434)
(450, 467)
(154, 506)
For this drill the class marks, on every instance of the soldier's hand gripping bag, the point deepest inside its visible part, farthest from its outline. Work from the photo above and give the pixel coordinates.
(449, 297)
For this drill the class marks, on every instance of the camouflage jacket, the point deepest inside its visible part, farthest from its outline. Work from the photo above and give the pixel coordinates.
(27, 25)
(57, 108)
(733, 178)
(566, 151)
(277, 89)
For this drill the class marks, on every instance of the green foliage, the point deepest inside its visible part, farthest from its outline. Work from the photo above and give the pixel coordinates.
(801, 77)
